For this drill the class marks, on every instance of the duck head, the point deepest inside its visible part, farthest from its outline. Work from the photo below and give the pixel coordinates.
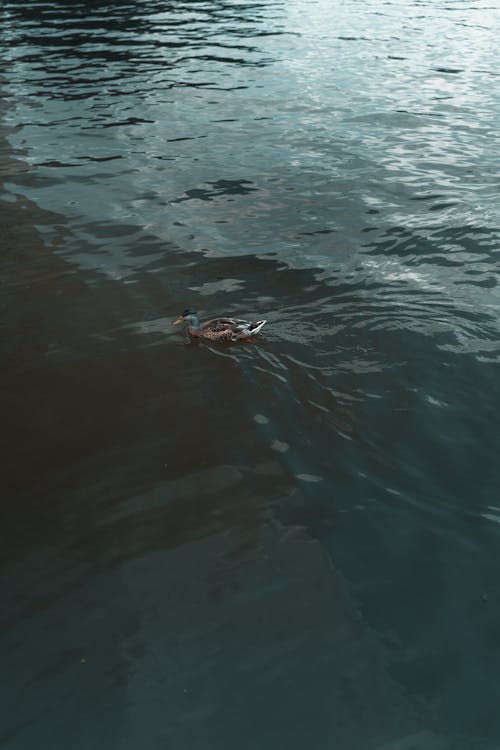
(188, 318)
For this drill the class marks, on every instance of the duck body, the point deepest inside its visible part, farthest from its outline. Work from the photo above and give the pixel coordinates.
(219, 329)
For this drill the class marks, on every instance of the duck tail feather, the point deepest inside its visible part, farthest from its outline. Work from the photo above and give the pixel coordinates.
(254, 328)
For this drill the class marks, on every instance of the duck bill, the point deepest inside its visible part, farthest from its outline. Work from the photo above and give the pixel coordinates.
(179, 320)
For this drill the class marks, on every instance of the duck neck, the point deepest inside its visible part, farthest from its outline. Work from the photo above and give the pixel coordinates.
(194, 323)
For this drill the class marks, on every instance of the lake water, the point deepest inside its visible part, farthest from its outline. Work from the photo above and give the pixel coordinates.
(286, 545)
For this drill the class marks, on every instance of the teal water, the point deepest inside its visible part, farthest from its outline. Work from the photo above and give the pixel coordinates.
(291, 544)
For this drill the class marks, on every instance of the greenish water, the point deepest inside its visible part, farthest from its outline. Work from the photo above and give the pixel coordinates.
(291, 544)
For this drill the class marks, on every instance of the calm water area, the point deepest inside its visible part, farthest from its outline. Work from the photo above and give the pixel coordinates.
(285, 545)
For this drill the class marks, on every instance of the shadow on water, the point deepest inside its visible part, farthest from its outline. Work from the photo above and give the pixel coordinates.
(160, 497)
(165, 506)
(155, 591)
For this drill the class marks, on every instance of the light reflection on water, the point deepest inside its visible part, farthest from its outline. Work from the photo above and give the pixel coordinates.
(290, 543)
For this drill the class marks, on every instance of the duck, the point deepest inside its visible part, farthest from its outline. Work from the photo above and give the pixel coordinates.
(218, 329)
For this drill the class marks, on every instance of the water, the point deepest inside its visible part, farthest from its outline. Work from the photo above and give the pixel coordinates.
(285, 545)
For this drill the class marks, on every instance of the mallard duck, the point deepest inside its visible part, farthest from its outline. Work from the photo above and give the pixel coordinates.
(218, 329)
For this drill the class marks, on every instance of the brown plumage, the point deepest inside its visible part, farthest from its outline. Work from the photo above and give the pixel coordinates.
(219, 329)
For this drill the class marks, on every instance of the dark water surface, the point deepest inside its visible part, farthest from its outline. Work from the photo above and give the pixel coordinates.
(294, 544)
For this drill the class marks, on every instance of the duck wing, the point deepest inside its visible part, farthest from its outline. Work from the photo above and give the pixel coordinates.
(230, 329)
(222, 324)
